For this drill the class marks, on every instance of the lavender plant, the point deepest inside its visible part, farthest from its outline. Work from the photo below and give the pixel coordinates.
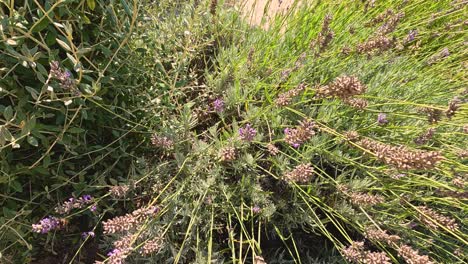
(266, 146)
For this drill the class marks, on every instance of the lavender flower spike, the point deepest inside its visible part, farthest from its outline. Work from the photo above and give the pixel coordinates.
(382, 119)
(247, 133)
(46, 225)
(218, 105)
(84, 235)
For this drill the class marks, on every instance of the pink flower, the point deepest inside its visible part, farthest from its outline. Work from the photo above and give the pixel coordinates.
(218, 105)
(247, 133)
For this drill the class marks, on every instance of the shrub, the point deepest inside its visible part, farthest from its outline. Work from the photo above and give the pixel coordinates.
(292, 145)
(67, 101)
(332, 136)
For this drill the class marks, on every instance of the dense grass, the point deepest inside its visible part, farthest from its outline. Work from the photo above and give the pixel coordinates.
(222, 196)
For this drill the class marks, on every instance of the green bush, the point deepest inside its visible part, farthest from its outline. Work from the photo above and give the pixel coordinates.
(345, 175)
(337, 134)
(67, 94)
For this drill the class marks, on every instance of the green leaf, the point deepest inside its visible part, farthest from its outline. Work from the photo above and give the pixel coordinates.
(86, 19)
(8, 113)
(28, 126)
(249, 159)
(46, 161)
(76, 130)
(8, 213)
(63, 44)
(51, 37)
(126, 7)
(44, 22)
(33, 141)
(16, 186)
(91, 4)
(72, 59)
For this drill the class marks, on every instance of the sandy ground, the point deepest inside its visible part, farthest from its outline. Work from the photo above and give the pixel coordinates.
(255, 10)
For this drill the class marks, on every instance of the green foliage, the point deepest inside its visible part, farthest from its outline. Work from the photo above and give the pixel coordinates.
(191, 77)
(209, 198)
(57, 140)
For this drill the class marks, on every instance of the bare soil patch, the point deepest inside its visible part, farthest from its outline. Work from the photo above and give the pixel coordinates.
(256, 10)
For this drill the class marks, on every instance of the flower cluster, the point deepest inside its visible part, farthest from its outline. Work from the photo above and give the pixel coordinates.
(390, 25)
(124, 244)
(377, 44)
(247, 133)
(85, 235)
(453, 106)
(74, 203)
(433, 115)
(346, 50)
(412, 256)
(47, 224)
(380, 18)
(425, 137)
(213, 7)
(227, 154)
(218, 105)
(459, 182)
(162, 142)
(365, 199)
(301, 173)
(259, 260)
(326, 34)
(439, 56)
(118, 191)
(64, 77)
(382, 119)
(353, 252)
(358, 103)
(381, 236)
(462, 153)
(342, 87)
(116, 256)
(351, 135)
(256, 209)
(151, 246)
(402, 157)
(128, 221)
(297, 136)
(357, 254)
(454, 194)
(411, 35)
(287, 72)
(286, 97)
(376, 258)
(272, 149)
(250, 57)
(429, 216)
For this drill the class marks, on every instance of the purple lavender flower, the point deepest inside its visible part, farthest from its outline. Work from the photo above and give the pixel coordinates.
(84, 235)
(290, 133)
(46, 225)
(247, 133)
(156, 209)
(74, 203)
(382, 119)
(113, 252)
(67, 74)
(256, 209)
(87, 197)
(445, 53)
(411, 35)
(93, 208)
(218, 105)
